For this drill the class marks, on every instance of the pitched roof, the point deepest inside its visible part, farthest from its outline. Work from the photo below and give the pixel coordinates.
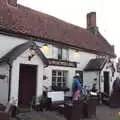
(16, 51)
(95, 64)
(26, 21)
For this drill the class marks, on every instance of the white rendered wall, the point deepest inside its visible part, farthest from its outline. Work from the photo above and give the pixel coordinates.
(81, 57)
(23, 59)
(4, 83)
(88, 79)
(7, 43)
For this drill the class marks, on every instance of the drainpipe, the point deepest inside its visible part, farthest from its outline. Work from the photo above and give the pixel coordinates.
(100, 100)
(10, 72)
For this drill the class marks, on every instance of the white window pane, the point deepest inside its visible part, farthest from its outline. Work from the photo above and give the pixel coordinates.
(59, 79)
(55, 53)
(59, 73)
(54, 73)
(53, 79)
(64, 79)
(53, 84)
(64, 54)
(65, 74)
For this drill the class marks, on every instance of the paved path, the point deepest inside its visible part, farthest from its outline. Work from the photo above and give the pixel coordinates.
(106, 113)
(103, 113)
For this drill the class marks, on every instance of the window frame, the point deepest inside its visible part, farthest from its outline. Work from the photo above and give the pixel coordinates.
(64, 75)
(60, 53)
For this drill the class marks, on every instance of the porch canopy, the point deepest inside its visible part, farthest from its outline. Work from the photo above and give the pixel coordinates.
(95, 64)
(16, 51)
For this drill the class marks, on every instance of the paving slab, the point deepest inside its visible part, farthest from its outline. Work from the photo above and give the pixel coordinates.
(102, 113)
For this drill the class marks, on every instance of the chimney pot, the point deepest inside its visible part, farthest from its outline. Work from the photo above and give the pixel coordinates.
(91, 20)
(13, 2)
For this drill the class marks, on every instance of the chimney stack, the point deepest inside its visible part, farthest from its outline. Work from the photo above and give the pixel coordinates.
(91, 19)
(91, 23)
(13, 2)
(113, 47)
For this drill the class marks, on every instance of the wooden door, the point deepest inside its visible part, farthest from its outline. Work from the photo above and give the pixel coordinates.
(27, 84)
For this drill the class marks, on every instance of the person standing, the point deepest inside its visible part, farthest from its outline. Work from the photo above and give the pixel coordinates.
(115, 95)
(76, 88)
(94, 89)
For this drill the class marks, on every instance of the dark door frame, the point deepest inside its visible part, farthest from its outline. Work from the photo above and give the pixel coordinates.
(32, 65)
(106, 82)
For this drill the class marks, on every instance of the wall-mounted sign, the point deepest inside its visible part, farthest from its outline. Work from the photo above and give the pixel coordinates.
(45, 77)
(62, 63)
(2, 77)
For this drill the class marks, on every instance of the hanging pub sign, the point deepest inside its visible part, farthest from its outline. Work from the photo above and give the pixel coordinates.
(62, 63)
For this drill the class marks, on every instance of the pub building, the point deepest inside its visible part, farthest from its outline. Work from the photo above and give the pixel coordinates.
(38, 50)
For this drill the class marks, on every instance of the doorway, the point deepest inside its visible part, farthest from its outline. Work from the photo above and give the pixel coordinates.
(106, 83)
(27, 84)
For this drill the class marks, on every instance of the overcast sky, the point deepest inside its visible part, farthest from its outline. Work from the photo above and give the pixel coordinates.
(74, 11)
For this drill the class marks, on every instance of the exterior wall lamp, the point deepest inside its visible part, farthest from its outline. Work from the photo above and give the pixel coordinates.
(76, 52)
(45, 47)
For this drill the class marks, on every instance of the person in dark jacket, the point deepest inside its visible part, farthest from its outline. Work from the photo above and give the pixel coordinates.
(94, 89)
(115, 95)
(116, 85)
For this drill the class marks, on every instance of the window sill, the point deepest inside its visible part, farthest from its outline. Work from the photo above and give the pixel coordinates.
(56, 88)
